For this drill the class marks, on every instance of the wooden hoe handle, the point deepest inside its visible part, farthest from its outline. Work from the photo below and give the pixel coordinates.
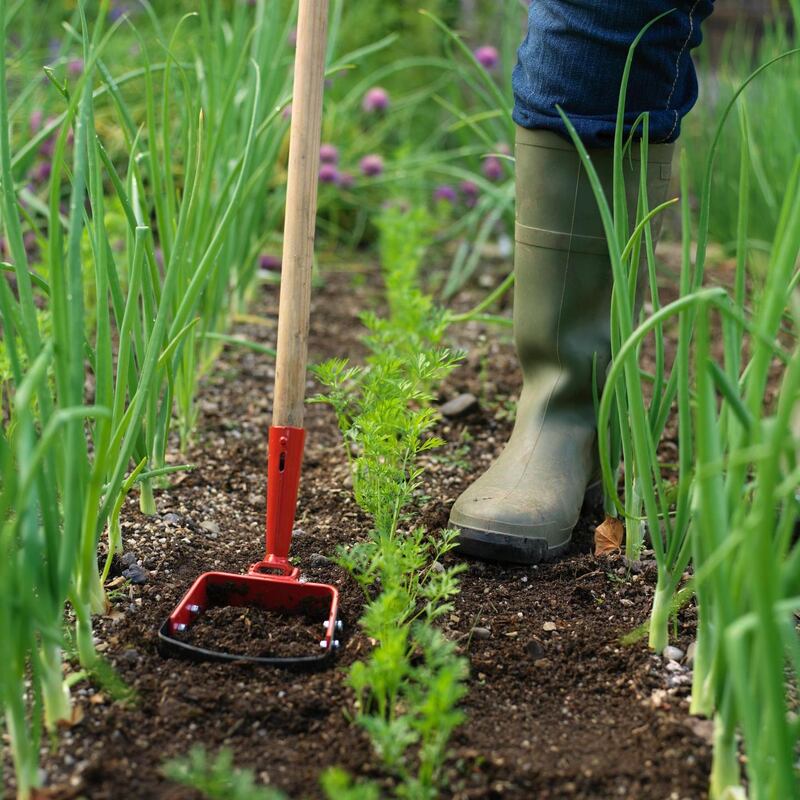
(301, 211)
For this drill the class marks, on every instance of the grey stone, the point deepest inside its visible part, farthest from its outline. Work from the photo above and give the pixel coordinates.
(318, 560)
(127, 559)
(209, 526)
(481, 633)
(535, 649)
(459, 406)
(135, 574)
(673, 653)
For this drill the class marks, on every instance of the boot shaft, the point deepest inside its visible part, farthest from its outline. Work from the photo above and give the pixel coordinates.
(562, 295)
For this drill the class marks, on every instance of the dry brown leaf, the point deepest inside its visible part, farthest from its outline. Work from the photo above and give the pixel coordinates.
(608, 536)
(76, 718)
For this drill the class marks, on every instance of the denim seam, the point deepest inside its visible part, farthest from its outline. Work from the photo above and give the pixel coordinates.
(678, 70)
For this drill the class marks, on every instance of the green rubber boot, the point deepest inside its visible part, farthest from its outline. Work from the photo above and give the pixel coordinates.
(523, 509)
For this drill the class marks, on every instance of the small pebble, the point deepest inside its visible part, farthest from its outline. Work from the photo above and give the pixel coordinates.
(318, 560)
(135, 574)
(690, 651)
(674, 666)
(535, 649)
(673, 653)
(130, 656)
(210, 526)
(481, 633)
(674, 681)
(437, 567)
(459, 406)
(172, 519)
(549, 627)
(127, 559)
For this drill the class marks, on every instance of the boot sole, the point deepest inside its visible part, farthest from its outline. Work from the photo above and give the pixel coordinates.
(512, 549)
(505, 547)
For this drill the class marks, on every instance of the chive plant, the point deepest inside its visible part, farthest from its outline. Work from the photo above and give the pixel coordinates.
(776, 109)
(478, 104)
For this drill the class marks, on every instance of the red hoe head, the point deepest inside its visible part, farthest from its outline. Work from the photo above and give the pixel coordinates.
(272, 586)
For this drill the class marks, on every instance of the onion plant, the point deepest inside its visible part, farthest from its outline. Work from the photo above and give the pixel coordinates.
(94, 333)
(626, 425)
(734, 509)
(636, 429)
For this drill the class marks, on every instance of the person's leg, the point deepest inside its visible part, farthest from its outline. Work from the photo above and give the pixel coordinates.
(574, 54)
(525, 506)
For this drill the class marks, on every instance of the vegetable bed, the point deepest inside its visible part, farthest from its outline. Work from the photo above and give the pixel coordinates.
(557, 705)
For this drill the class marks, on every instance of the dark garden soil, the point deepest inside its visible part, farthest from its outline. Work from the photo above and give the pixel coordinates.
(557, 707)
(249, 631)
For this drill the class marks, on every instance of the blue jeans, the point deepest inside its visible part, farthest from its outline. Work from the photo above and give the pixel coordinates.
(574, 55)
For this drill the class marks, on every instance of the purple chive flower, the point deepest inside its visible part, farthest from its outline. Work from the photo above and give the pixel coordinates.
(371, 165)
(328, 154)
(492, 168)
(118, 11)
(375, 100)
(292, 37)
(75, 67)
(287, 112)
(346, 180)
(470, 192)
(42, 171)
(328, 173)
(445, 194)
(269, 262)
(487, 56)
(48, 146)
(469, 188)
(35, 120)
(31, 244)
(159, 254)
